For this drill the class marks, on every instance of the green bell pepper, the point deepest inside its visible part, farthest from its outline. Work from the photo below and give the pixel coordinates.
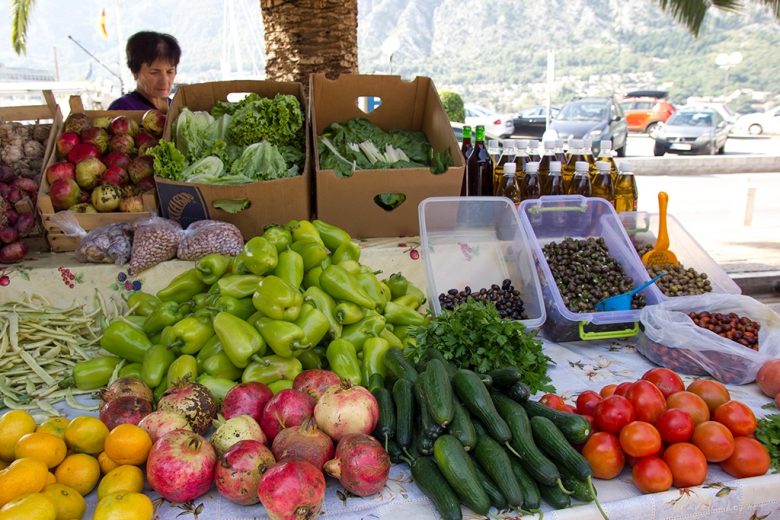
(402, 331)
(268, 369)
(310, 359)
(368, 327)
(368, 282)
(167, 313)
(212, 347)
(341, 285)
(190, 334)
(212, 266)
(155, 364)
(126, 341)
(312, 253)
(131, 370)
(397, 284)
(313, 322)
(350, 266)
(242, 308)
(142, 303)
(281, 384)
(183, 287)
(238, 285)
(311, 278)
(304, 230)
(402, 315)
(324, 303)
(237, 266)
(94, 373)
(391, 338)
(184, 367)
(290, 268)
(343, 360)
(202, 300)
(240, 340)
(408, 300)
(219, 365)
(135, 321)
(218, 386)
(160, 390)
(284, 337)
(373, 356)
(259, 256)
(385, 291)
(277, 299)
(413, 290)
(348, 313)
(279, 236)
(332, 236)
(346, 251)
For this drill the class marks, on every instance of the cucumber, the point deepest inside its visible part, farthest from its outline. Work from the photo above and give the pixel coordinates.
(579, 489)
(475, 397)
(532, 500)
(458, 468)
(385, 426)
(494, 460)
(375, 381)
(395, 451)
(461, 426)
(518, 392)
(574, 427)
(398, 366)
(497, 500)
(552, 442)
(403, 395)
(433, 485)
(432, 353)
(438, 392)
(538, 465)
(505, 377)
(429, 427)
(555, 496)
(421, 443)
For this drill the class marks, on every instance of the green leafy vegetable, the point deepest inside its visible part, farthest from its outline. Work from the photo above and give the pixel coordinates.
(195, 133)
(168, 161)
(232, 206)
(768, 433)
(261, 161)
(474, 336)
(278, 120)
(207, 168)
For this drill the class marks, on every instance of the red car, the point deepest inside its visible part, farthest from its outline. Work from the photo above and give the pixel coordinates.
(644, 109)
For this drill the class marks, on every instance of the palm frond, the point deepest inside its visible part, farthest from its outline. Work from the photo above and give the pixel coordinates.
(20, 16)
(691, 13)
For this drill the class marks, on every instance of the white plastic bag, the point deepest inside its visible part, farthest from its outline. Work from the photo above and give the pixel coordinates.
(671, 339)
(109, 244)
(156, 240)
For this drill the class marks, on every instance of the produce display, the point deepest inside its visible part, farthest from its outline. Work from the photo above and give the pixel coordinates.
(23, 148)
(741, 329)
(505, 297)
(17, 212)
(679, 280)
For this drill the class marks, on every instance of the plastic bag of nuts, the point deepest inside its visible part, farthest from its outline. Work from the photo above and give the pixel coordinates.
(156, 240)
(671, 338)
(210, 236)
(109, 244)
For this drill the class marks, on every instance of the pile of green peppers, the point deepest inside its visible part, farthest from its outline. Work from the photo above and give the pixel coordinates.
(296, 298)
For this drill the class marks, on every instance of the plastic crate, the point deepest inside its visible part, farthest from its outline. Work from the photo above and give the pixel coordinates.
(553, 218)
(477, 242)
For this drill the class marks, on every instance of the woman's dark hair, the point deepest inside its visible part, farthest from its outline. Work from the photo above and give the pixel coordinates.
(147, 46)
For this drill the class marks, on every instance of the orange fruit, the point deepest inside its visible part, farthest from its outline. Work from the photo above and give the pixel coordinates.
(21, 477)
(67, 501)
(26, 507)
(50, 478)
(47, 448)
(54, 425)
(122, 478)
(106, 464)
(79, 471)
(86, 434)
(124, 506)
(128, 444)
(13, 425)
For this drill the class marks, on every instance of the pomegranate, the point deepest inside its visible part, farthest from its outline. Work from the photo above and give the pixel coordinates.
(83, 151)
(194, 401)
(101, 122)
(292, 489)
(96, 136)
(153, 122)
(287, 408)
(145, 184)
(306, 442)
(361, 464)
(134, 203)
(126, 386)
(144, 141)
(64, 193)
(160, 422)
(65, 143)
(239, 428)
(315, 381)
(126, 409)
(60, 170)
(180, 466)
(140, 168)
(246, 399)
(123, 125)
(76, 122)
(115, 175)
(88, 172)
(345, 409)
(239, 470)
(119, 159)
(106, 197)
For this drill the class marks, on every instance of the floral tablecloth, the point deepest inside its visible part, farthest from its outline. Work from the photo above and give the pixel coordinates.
(62, 281)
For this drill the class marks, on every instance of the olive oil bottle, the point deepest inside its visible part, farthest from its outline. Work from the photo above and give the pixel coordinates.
(509, 186)
(521, 155)
(607, 155)
(533, 150)
(601, 185)
(530, 185)
(576, 154)
(555, 184)
(548, 156)
(626, 194)
(580, 183)
(507, 156)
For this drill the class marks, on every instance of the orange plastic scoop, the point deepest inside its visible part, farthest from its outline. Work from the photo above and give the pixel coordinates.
(660, 254)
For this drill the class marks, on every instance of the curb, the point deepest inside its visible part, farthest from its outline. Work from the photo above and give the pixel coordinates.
(764, 284)
(698, 165)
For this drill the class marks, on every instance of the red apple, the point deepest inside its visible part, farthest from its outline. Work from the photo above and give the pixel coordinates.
(122, 143)
(116, 159)
(123, 125)
(83, 151)
(96, 136)
(140, 167)
(88, 172)
(64, 193)
(60, 170)
(115, 175)
(66, 141)
(154, 122)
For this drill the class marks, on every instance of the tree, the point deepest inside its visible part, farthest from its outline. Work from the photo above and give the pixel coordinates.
(691, 12)
(453, 105)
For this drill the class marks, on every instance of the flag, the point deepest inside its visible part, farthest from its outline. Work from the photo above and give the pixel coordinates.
(103, 30)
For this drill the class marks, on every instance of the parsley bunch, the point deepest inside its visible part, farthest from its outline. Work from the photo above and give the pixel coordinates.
(768, 432)
(476, 337)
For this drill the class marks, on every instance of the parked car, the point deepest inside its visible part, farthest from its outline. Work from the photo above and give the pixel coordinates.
(759, 123)
(595, 119)
(722, 109)
(532, 122)
(692, 131)
(499, 124)
(644, 109)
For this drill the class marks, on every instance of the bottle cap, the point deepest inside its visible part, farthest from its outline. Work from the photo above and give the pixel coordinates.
(603, 166)
(549, 145)
(555, 167)
(576, 143)
(509, 144)
(587, 143)
(521, 144)
(625, 166)
(533, 167)
(606, 144)
(493, 143)
(559, 143)
(510, 168)
(581, 167)
(533, 143)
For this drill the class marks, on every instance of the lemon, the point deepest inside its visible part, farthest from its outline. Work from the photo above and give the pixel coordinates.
(13, 425)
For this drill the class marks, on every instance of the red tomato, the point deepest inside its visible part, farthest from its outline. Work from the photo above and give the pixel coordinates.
(553, 401)
(568, 408)
(688, 464)
(640, 439)
(622, 388)
(667, 381)
(613, 413)
(652, 475)
(714, 440)
(592, 422)
(633, 460)
(675, 425)
(713, 392)
(608, 390)
(750, 459)
(587, 402)
(603, 453)
(737, 417)
(648, 401)
(690, 403)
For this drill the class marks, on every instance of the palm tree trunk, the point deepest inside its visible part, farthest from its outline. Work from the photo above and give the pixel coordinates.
(307, 36)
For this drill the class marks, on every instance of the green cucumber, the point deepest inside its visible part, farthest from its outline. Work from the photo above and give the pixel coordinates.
(458, 468)
(575, 427)
(579, 489)
(518, 392)
(395, 451)
(403, 395)
(429, 427)
(497, 499)
(532, 501)
(385, 426)
(555, 496)
(552, 442)
(461, 426)
(433, 485)
(422, 444)
(505, 377)
(475, 397)
(432, 353)
(438, 392)
(398, 366)
(494, 460)
(375, 381)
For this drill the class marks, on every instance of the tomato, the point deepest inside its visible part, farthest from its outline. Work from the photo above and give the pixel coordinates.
(737, 417)
(690, 403)
(553, 401)
(667, 381)
(652, 475)
(714, 440)
(675, 425)
(603, 453)
(622, 388)
(640, 439)
(608, 390)
(688, 464)
(648, 401)
(633, 460)
(568, 408)
(587, 402)
(613, 413)
(750, 459)
(713, 392)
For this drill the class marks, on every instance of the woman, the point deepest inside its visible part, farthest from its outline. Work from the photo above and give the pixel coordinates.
(152, 58)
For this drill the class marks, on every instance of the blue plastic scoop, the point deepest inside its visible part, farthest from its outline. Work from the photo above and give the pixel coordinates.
(622, 302)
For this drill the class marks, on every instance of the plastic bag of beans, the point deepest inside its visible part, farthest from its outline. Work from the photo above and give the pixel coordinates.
(209, 236)
(155, 240)
(727, 336)
(109, 244)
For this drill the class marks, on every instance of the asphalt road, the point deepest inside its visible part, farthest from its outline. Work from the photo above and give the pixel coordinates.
(640, 145)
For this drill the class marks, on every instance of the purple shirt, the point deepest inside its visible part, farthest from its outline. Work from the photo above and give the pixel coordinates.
(132, 101)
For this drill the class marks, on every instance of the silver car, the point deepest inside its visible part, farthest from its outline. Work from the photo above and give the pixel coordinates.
(692, 131)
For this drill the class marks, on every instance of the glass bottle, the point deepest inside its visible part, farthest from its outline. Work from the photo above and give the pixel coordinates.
(510, 187)
(602, 186)
(530, 185)
(521, 155)
(626, 194)
(544, 164)
(555, 184)
(580, 183)
(533, 150)
(479, 169)
(466, 148)
(606, 154)
(507, 156)
(575, 154)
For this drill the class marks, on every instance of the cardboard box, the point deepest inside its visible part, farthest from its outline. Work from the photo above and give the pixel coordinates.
(270, 202)
(348, 202)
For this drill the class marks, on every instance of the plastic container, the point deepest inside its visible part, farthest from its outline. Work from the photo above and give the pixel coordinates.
(476, 242)
(642, 228)
(553, 218)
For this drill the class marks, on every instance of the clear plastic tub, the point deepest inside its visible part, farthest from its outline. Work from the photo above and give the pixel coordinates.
(553, 218)
(642, 228)
(477, 242)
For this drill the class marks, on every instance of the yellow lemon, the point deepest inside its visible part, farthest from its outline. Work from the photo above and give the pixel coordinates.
(21, 477)
(79, 471)
(50, 478)
(106, 464)
(124, 506)
(122, 478)
(54, 425)
(27, 507)
(67, 501)
(13, 425)
(47, 448)
(86, 434)
(128, 444)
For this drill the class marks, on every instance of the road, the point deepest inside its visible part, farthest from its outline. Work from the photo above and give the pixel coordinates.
(640, 145)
